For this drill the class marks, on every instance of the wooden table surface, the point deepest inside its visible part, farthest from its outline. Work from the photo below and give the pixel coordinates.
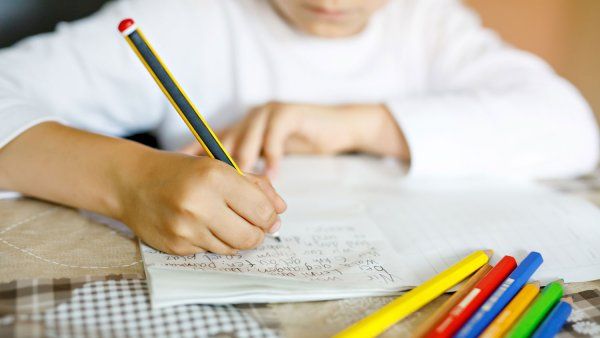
(39, 239)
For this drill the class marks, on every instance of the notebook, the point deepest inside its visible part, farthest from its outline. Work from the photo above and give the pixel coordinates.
(357, 227)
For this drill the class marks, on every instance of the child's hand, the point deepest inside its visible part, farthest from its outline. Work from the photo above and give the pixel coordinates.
(276, 129)
(183, 205)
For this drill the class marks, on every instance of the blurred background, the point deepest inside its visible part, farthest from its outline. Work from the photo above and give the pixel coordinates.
(564, 32)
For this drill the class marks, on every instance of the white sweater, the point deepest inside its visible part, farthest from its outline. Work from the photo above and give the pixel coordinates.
(467, 103)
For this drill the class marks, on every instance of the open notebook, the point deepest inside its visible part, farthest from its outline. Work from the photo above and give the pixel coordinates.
(355, 227)
(321, 256)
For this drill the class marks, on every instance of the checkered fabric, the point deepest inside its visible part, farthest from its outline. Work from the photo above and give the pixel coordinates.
(585, 318)
(32, 296)
(118, 306)
(121, 308)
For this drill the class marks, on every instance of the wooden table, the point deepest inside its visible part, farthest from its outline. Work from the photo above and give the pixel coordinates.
(39, 239)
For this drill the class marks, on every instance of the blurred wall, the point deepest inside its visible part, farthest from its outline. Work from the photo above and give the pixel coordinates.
(22, 18)
(564, 32)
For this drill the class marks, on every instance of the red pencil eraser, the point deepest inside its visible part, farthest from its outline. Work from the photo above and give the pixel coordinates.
(125, 24)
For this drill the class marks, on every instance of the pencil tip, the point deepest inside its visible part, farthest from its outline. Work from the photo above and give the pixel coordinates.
(277, 238)
(489, 253)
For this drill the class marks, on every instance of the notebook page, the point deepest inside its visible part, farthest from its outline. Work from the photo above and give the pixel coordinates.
(433, 223)
(334, 244)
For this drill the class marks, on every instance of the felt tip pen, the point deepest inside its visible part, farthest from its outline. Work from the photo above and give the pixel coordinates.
(538, 310)
(379, 321)
(502, 296)
(511, 313)
(471, 302)
(555, 320)
(445, 308)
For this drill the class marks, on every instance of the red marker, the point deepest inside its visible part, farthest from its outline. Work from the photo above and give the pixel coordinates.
(462, 311)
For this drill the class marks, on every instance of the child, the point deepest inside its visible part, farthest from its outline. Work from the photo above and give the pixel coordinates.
(416, 79)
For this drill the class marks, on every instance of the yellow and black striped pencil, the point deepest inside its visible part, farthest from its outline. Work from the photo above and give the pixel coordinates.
(176, 95)
(178, 98)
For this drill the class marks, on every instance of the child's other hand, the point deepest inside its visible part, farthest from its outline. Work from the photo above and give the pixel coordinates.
(275, 129)
(183, 205)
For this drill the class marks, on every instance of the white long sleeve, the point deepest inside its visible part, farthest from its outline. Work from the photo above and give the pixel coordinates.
(467, 103)
(489, 109)
(84, 75)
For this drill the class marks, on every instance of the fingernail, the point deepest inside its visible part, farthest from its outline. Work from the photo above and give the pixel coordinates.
(275, 227)
(285, 205)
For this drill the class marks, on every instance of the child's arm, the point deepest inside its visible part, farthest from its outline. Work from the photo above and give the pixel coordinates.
(85, 74)
(475, 107)
(175, 203)
(488, 108)
(276, 129)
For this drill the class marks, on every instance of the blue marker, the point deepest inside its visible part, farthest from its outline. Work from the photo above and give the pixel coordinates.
(552, 325)
(498, 300)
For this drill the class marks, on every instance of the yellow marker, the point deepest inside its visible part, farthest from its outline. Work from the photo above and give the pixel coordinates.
(513, 310)
(398, 309)
(443, 309)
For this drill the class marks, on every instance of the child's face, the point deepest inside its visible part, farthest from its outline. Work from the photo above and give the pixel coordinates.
(328, 18)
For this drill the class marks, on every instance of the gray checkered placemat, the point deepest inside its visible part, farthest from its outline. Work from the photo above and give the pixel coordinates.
(33, 296)
(115, 307)
(585, 318)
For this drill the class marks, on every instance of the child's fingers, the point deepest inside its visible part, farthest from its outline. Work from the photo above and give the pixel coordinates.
(278, 130)
(184, 249)
(176, 246)
(228, 139)
(210, 241)
(299, 145)
(236, 232)
(193, 148)
(191, 237)
(251, 203)
(251, 140)
(265, 185)
(223, 133)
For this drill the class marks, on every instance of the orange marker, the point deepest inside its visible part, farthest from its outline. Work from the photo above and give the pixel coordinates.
(462, 311)
(443, 309)
(511, 313)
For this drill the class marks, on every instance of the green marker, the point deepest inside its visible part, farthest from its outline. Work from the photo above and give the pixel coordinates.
(537, 311)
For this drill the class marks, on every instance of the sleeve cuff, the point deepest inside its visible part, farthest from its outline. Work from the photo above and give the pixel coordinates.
(446, 136)
(19, 118)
